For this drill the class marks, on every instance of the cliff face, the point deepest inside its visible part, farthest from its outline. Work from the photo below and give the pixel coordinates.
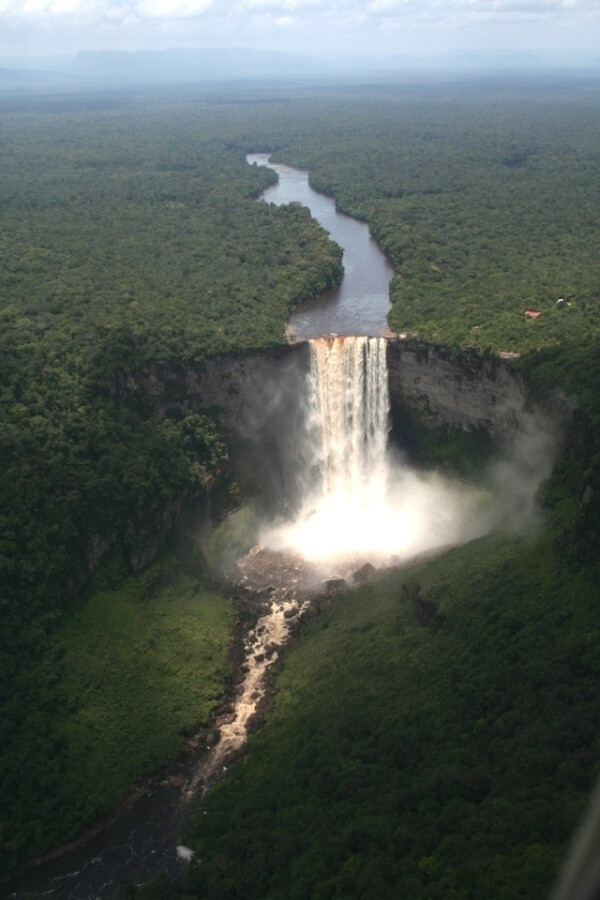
(247, 388)
(258, 397)
(257, 390)
(440, 386)
(258, 394)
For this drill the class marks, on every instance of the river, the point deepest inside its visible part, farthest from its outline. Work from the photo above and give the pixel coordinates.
(140, 838)
(360, 304)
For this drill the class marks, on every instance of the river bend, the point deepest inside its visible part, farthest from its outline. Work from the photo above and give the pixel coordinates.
(360, 304)
(140, 838)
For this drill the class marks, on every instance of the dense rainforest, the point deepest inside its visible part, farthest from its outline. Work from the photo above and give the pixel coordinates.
(401, 759)
(129, 236)
(486, 206)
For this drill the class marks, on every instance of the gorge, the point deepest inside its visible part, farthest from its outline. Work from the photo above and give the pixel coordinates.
(431, 728)
(325, 459)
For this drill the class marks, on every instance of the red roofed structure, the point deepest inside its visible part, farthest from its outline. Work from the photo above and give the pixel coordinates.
(532, 313)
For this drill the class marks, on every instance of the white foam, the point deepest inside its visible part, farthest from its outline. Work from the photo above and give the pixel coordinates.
(358, 502)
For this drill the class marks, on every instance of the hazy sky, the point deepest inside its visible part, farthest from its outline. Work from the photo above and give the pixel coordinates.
(319, 27)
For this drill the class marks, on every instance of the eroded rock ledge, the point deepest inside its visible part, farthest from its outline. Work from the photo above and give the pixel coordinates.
(444, 386)
(256, 396)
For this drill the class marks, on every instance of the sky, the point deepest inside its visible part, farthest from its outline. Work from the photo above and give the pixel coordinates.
(322, 28)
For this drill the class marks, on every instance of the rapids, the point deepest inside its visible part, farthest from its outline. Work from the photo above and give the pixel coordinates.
(357, 504)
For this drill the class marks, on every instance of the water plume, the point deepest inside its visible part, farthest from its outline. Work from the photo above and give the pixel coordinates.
(358, 504)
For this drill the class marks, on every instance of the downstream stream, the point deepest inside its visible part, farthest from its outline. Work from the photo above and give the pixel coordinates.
(141, 838)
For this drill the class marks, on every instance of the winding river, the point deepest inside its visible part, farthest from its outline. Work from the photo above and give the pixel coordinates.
(140, 838)
(360, 304)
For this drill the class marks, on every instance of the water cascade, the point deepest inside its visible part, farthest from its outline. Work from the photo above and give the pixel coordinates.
(348, 404)
(359, 503)
(355, 501)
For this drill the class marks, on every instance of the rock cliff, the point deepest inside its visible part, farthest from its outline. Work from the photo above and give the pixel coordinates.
(458, 388)
(257, 397)
(247, 388)
(258, 389)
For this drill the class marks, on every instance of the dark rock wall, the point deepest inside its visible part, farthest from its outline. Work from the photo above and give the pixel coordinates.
(258, 396)
(441, 386)
(247, 388)
(259, 390)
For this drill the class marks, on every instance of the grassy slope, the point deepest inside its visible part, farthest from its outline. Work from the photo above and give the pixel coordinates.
(410, 761)
(143, 664)
(131, 671)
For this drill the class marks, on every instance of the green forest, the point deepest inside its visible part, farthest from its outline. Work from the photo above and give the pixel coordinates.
(400, 759)
(445, 760)
(129, 237)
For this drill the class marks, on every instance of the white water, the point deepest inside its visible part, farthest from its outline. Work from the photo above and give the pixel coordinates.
(261, 646)
(348, 403)
(359, 503)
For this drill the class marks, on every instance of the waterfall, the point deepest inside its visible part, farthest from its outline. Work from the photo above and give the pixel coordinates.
(357, 503)
(348, 414)
(345, 478)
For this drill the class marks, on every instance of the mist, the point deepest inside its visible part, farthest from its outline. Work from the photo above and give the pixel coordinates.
(357, 500)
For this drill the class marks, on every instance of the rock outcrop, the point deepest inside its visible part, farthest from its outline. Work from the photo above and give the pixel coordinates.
(256, 392)
(459, 388)
(256, 396)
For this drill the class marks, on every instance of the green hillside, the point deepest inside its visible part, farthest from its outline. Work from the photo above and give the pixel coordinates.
(401, 759)
(410, 759)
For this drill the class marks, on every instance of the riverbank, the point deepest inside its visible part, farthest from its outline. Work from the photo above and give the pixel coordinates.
(139, 839)
(412, 732)
(360, 303)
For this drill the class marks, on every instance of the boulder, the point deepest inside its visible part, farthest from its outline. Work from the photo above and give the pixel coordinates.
(365, 573)
(335, 584)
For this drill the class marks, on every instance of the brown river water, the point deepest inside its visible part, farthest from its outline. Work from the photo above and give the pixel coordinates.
(360, 304)
(141, 838)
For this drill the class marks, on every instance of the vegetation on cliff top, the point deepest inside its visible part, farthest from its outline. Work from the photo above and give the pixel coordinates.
(486, 203)
(132, 236)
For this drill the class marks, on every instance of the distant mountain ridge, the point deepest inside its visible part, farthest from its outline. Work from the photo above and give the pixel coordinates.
(110, 67)
(193, 65)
